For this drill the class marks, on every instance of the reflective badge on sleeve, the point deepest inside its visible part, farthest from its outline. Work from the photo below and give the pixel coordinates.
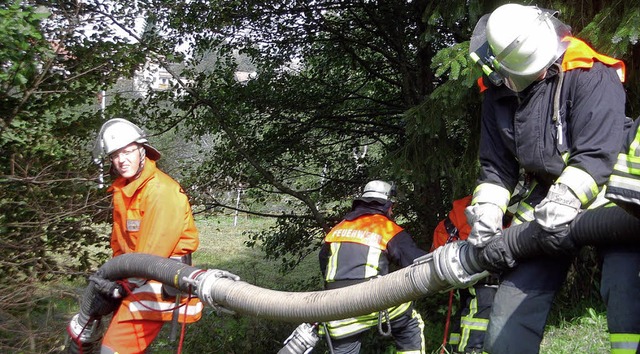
(133, 225)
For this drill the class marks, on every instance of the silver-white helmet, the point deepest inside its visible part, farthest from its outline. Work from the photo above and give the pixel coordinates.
(379, 190)
(523, 41)
(117, 133)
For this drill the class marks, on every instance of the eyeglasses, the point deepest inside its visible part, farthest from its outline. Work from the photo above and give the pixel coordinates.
(124, 154)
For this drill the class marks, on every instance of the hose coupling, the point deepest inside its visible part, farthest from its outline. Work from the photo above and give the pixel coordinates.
(85, 330)
(450, 263)
(303, 339)
(206, 282)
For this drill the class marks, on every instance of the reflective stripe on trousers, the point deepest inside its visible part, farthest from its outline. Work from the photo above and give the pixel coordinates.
(624, 343)
(349, 326)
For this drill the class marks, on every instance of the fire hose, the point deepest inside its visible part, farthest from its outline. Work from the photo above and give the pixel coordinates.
(454, 265)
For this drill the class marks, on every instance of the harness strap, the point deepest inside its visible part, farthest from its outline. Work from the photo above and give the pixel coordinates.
(452, 230)
(556, 105)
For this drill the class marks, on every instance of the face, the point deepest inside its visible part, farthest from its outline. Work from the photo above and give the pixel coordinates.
(127, 160)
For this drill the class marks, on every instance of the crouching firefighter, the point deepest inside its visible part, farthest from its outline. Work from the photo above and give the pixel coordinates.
(152, 215)
(360, 248)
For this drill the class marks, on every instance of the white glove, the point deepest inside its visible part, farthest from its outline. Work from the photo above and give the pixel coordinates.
(486, 222)
(558, 209)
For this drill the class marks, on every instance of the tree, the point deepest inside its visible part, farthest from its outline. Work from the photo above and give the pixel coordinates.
(334, 78)
(50, 71)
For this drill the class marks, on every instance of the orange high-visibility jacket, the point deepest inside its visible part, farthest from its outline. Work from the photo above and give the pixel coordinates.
(152, 215)
(458, 220)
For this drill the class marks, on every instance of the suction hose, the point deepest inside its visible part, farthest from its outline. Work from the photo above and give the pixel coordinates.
(454, 265)
(598, 227)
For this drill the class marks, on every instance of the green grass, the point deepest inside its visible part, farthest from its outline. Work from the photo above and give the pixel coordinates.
(586, 333)
(573, 327)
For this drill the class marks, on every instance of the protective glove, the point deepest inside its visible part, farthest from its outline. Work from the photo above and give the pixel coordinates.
(486, 222)
(496, 256)
(115, 289)
(558, 209)
(107, 296)
(554, 214)
(557, 243)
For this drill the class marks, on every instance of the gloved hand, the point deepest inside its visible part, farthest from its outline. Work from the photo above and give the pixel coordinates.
(486, 222)
(554, 214)
(496, 256)
(555, 243)
(113, 289)
(558, 209)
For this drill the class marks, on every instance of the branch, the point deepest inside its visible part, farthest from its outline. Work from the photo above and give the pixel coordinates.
(215, 204)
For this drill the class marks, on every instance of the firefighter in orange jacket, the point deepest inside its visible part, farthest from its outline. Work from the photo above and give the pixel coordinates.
(555, 108)
(360, 248)
(471, 320)
(152, 215)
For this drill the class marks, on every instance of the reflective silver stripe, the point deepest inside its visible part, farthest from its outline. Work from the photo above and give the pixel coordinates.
(423, 346)
(633, 148)
(491, 193)
(348, 326)
(580, 182)
(624, 182)
(627, 165)
(144, 304)
(332, 265)
(454, 338)
(478, 324)
(372, 268)
(524, 213)
(152, 306)
(468, 322)
(624, 343)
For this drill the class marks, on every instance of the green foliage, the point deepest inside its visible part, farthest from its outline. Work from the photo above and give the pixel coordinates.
(342, 93)
(49, 74)
(22, 45)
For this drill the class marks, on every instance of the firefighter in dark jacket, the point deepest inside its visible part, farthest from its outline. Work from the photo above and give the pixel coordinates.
(554, 107)
(360, 248)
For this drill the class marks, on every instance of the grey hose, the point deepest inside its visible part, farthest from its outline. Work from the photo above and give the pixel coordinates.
(217, 288)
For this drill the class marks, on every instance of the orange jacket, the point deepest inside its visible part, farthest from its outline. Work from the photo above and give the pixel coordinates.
(152, 215)
(458, 219)
(370, 230)
(580, 55)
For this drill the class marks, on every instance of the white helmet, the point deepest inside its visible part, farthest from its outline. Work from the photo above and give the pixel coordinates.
(378, 190)
(524, 41)
(117, 133)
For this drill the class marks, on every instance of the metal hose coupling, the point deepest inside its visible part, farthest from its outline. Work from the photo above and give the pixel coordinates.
(85, 334)
(206, 282)
(302, 341)
(456, 263)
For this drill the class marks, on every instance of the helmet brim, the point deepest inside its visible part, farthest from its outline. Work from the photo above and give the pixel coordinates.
(371, 200)
(151, 152)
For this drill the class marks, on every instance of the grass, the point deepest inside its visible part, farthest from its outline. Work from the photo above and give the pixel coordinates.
(585, 333)
(573, 328)
(222, 247)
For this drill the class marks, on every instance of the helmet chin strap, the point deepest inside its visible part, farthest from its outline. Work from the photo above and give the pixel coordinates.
(143, 159)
